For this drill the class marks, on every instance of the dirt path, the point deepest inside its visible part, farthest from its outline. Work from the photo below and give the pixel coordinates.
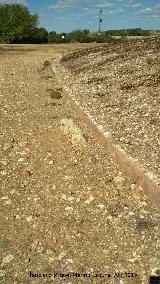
(65, 205)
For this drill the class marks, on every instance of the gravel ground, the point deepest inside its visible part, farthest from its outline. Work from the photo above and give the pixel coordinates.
(119, 84)
(65, 206)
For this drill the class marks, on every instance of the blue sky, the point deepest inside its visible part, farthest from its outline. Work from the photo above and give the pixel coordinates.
(68, 15)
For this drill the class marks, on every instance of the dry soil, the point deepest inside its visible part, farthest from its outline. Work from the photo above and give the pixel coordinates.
(66, 207)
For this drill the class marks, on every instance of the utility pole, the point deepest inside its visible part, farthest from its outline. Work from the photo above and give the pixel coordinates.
(100, 20)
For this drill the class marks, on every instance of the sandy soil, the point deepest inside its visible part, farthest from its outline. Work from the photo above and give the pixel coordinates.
(65, 206)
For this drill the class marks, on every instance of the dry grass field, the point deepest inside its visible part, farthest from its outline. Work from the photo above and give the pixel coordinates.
(65, 206)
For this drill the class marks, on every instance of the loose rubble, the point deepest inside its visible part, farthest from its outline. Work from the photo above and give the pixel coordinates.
(119, 85)
(70, 210)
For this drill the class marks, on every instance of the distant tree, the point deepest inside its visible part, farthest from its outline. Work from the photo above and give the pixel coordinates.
(79, 36)
(128, 32)
(53, 37)
(52, 33)
(63, 34)
(16, 22)
(39, 35)
(86, 31)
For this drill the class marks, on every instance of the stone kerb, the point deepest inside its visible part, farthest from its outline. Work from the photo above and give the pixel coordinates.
(129, 165)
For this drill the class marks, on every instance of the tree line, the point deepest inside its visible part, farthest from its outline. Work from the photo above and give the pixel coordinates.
(18, 25)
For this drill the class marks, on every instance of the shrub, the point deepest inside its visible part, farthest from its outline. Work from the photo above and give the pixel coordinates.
(123, 37)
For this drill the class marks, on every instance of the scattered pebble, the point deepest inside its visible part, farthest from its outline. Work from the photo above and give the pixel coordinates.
(2, 273)
(69, 209)
(8, 258)
(51, 162)
(29, 219)
(21, 159)
(90, 199)
(8, 202)
(61, 256)
(3, 173)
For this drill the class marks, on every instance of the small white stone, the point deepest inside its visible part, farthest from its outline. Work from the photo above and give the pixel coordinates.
(36, 198)
(101, 206)
(17, 217)
(4, 197)
(68, 208)
(12, 191)
(4, 163)
(90, 199)
(62, 255)
(67, 177)
(2, 273)
(132, 260)
(100, 127)
(109, 217)
(70, 198)
(8, 202)
(133, 186)
(59, 168)
(131, 213)
(8, 258)
(69, 260)
(49, 252)
(23, 153)
(34, 226)
(141, 216)
(40, 249)
(143, 203)
(119, 181)
(64, 196)
(3, 173)
(51, 259)
(21, 159)
(107, 134)
(29, 219)
(21, 144)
